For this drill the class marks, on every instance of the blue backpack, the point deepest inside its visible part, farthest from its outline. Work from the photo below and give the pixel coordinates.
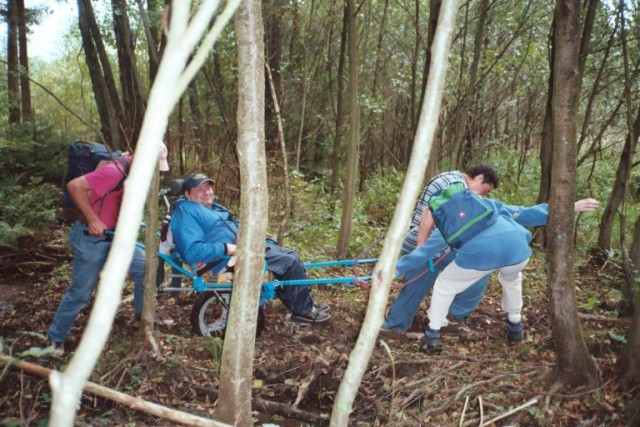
(460, 214)
(84, 157)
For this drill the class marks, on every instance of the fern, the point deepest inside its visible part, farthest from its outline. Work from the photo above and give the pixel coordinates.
(9, 235)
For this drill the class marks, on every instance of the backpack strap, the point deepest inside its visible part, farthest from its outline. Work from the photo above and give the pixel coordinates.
(123, 168)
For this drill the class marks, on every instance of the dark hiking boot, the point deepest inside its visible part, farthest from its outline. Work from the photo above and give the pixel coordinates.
(431, 342)
(313, 316)
(515, 332)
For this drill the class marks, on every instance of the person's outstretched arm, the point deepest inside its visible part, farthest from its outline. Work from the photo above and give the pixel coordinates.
(425, 227)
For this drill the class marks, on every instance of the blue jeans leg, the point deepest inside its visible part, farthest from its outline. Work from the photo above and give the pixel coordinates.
(406, 305)
(89, 255)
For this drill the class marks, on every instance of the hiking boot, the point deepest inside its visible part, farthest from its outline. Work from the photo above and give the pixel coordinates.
(313, 316)
(431, 342)
(515, 332)
(57, 348)
(323, 308)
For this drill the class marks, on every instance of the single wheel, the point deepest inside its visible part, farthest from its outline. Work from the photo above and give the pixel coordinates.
(210, 311)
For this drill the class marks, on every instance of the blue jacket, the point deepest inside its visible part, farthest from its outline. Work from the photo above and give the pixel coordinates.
(504, 243)
(199, 233)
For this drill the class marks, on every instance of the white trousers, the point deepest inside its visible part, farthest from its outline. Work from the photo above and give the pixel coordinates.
(455, 279)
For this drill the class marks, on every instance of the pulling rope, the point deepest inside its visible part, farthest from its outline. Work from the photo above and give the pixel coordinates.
(444, 252)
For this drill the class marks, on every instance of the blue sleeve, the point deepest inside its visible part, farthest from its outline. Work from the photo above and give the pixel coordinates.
(526, 216)
(532, 216)
(420, 257)
(190, 225)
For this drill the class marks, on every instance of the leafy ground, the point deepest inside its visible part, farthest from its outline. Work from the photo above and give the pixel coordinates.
(477, 377)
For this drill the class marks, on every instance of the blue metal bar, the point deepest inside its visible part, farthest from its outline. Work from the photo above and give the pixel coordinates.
(328, 281)
(342, 263)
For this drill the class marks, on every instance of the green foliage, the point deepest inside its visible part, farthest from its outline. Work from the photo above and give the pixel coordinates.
(591, 303)
(33, 169)
(45, 156)
(315, 227)
(381, 196)
(27, 207)
(134, 379)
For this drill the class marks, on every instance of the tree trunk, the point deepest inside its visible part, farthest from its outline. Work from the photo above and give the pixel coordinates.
(13, 72)
(151, 269)
(337, 136)
(546, 138)
(237, 356)
(346, 222)
(133, 101)
(629, 361)
(25, 85)
(100, 74)
(629, 289)
(617, 192)
(574, 364)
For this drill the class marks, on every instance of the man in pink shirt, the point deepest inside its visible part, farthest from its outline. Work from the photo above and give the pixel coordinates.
(98, 196)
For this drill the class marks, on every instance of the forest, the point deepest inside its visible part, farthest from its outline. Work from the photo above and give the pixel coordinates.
(321, 122)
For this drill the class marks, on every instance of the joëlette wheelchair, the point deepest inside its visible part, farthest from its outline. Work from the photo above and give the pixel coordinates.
(214, 281)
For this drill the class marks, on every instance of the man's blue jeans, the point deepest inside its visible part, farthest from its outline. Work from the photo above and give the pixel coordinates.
(89, 256)
(406, 305)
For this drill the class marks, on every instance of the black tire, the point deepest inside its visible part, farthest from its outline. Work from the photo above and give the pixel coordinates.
(209, 314)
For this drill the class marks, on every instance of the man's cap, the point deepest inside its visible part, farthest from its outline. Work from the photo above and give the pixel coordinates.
(163, 163)
(194, 179)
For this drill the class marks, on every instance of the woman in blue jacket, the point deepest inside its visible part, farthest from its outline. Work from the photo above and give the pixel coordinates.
(504, 246)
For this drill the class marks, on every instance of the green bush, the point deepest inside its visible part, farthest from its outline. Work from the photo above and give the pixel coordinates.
(43, 156)
(33, 172)
(27, 208)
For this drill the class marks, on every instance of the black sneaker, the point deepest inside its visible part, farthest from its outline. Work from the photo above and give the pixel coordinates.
(313, 316)
(431, 342)
(57, 348)
(324, 308)
(515, 332)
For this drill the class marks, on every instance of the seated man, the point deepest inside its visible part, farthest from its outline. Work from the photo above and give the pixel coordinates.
(205, 231)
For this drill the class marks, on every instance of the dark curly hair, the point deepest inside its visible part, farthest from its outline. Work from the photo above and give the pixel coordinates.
(489, 174)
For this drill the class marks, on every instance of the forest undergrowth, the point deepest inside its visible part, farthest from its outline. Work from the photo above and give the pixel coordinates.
(477, 377)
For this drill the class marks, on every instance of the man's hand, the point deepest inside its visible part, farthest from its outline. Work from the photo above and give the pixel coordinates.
(96, 228)
(586, 205)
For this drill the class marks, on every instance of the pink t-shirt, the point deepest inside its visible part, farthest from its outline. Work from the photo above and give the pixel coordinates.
(103, 181)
